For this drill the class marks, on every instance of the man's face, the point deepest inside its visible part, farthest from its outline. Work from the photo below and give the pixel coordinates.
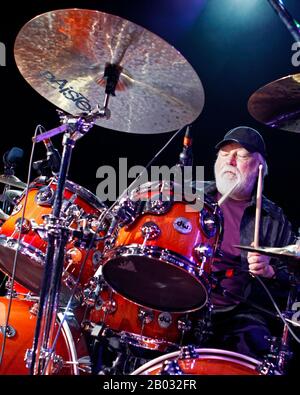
(235, 164)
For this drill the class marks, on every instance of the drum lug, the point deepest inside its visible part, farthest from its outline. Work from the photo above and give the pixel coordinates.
(184, 325)
(208, 223)
(145, 316)
(84, 364)
(203, 252)
(188, 352)
(45, 196)
(158, 206)
(34, 309)
(9, 332)
(25, 227)
(171, 368)
(92, 291)
(150, 230)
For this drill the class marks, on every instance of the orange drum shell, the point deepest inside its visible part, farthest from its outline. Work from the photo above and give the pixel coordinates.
(169, 237)
(125, 318)
(36, 211)
(23, 322)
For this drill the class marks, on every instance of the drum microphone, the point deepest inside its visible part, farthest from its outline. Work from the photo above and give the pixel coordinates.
(53, 156)
(12, 159)
(186, 156)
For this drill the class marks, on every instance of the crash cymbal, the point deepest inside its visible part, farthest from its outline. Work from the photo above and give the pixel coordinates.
(277, 104)
(62, 54)
(12, 181)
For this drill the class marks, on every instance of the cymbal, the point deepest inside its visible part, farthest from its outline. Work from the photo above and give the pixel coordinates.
(62, 54)
(12, 181)
(289, 253)
(277, 104)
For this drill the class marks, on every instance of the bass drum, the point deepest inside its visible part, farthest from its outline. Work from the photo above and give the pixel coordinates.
(208, 361)
(71, 349)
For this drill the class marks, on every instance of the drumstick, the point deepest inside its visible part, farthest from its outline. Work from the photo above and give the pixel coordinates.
(258, 206)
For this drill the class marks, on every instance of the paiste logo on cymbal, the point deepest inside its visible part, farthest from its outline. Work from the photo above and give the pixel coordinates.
(2, 54)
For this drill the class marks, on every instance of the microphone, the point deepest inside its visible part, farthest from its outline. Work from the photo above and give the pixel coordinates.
(53, 156)
(186, 156)
(12, 159)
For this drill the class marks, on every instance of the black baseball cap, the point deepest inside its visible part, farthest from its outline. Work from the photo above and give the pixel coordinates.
(247, 137)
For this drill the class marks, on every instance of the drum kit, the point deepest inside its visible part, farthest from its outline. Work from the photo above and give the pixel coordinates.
(139, 270)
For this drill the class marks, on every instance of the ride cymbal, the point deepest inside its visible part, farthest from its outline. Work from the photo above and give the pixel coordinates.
(277, 104)
(63, 55)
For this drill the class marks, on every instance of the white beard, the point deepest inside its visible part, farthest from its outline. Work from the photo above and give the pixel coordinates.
(226, 181)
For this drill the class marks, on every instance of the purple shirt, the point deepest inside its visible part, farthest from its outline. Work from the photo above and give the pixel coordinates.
(233, 211)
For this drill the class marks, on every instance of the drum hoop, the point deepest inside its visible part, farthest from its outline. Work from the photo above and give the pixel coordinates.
(213, 353)
(24, 248)
(163, 255)
(77, 189)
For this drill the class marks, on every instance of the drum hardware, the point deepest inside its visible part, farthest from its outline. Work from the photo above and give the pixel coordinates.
(23, 226)
(9, 332)
(34, 309)
(171, 368)
(58, 235)
(291, 23)
(145, 317)
(208, 223)
(150, 231)
(45, 196)
(203, 252)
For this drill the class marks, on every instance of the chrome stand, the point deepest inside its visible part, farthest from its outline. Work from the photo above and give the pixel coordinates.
(40, 359)
(286, 18)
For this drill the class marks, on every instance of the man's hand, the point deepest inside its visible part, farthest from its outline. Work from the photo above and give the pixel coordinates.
(259, 265)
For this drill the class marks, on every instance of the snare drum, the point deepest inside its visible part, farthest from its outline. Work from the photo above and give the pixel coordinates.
(78, 205)
(137, 325)
(207, 362)
(162, 259)
(71, 349)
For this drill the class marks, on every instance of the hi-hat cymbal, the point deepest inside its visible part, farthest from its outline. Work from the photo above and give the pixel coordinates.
(277, 104)
(62, 54)
(12, 181)
(288, 252)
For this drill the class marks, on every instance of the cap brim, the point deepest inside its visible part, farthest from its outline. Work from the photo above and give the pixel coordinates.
(248, 147)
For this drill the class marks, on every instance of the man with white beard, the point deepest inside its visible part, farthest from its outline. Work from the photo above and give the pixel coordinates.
(236, 324)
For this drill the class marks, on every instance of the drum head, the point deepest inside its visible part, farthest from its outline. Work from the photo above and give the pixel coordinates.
(155, 284)
(29, 269)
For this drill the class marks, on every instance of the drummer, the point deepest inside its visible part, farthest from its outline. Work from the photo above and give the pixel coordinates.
(236, 324)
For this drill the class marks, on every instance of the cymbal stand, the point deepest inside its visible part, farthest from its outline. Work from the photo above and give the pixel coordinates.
(286, 18)
(39, 359)
(284, 354)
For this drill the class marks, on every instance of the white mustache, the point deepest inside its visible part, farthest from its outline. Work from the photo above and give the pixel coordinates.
(229, 168)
